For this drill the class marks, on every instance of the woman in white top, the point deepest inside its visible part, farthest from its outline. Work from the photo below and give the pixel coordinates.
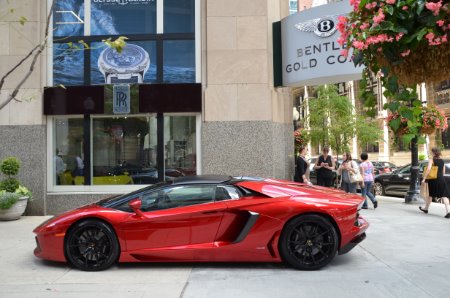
(347, 168)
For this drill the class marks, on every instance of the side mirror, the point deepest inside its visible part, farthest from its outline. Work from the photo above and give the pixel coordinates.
(136, 205)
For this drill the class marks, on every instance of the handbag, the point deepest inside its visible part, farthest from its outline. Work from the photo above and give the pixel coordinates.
(433, 172)
(355, 177)
(424, 190)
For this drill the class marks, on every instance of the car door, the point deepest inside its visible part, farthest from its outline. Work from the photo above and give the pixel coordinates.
(398, 184)
(175, 217)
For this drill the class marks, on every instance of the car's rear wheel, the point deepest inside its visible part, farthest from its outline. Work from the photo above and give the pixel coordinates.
(91, 245)
(378, 189)
(308, 242)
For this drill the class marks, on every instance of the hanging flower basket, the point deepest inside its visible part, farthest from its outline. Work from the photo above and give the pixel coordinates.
(300, 138)
(427, 130)
(430, 119)
(429, 64)
(409, 39)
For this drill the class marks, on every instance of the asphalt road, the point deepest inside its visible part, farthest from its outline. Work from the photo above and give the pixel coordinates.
(406, 254)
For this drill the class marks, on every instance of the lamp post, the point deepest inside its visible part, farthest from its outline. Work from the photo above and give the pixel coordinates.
(412, 196)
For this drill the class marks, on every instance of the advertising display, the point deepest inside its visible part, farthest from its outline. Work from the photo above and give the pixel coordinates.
(311, 54)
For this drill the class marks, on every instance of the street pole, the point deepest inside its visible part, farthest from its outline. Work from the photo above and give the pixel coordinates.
(413, 194)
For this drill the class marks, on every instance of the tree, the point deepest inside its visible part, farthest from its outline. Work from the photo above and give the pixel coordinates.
(332, 121)
(32, 56)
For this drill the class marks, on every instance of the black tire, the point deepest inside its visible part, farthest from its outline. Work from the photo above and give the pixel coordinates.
(308, 242)
(378, 189)
(91, 245)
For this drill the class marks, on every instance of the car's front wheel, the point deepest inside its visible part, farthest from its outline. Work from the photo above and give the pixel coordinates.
(378, 189)
(308, 242)
(91, 245)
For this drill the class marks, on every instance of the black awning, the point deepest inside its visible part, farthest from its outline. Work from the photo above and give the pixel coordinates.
(153, 98)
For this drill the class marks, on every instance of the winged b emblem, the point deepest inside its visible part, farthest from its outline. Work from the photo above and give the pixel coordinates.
(322, 27)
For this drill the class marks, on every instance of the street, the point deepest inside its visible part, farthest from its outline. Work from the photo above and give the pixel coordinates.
(406, 254)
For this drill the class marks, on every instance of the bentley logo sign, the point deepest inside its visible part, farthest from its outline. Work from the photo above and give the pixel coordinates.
(310, 52)
(322, 27)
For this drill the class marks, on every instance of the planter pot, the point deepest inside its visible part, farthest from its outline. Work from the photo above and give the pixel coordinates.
(15, 211)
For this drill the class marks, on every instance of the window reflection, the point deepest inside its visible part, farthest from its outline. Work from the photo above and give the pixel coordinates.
(124, 150)
(68, 153)
(180, 146)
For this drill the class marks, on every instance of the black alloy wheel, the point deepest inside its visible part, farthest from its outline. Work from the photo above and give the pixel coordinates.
(378, 189)
(308, 242)
(91, 245)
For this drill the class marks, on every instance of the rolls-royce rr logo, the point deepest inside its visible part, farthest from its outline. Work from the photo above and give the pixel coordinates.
(322, 27)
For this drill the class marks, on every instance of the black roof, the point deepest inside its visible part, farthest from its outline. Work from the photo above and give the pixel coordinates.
(199, 179)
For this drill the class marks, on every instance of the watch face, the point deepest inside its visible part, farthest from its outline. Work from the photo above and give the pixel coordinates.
(133, 61)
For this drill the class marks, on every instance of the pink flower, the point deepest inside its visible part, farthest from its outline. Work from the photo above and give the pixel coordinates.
(440, 23)
(399, 36)
(344, 52)
(364, 26)
(359, 45)
(379, 18)
(405, 53)
(390, 1)
(434, 7)
(429, 36)
(355, 4)
(444, 38)
(405, 7)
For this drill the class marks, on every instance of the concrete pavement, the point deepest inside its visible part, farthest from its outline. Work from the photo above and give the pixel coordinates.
(406, 254)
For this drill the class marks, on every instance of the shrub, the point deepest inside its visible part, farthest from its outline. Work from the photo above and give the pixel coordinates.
(10, 166)
(8, 199)
(10, 185)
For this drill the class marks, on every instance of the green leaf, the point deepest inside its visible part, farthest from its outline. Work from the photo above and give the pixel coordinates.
(389, 9)
(408, 114)
(23, 20)
(408, 137)
(358, 58)
(393, 106)
(395, 124)
(420, 6)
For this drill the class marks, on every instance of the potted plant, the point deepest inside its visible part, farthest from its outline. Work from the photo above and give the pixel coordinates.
(13, 195)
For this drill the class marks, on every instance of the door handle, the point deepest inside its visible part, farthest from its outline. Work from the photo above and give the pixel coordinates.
(210, 212)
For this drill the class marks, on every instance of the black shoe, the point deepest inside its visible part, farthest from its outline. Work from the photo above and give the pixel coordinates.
(364, 207)
(447, 216)
(426, 211)
(375, 204)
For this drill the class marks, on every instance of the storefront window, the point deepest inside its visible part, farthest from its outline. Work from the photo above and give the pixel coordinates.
(123, 17)
(179, 61)
(180, 146)
(124, 150)
(179, 16)
(68, 18)
(136, 63)
(68, 153)
(446, 137)
(68, 68)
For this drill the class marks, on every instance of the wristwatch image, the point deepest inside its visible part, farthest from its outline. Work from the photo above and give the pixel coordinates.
(129, 66)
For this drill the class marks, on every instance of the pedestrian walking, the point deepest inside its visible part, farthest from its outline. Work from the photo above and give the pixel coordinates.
(437, 187)
(347, 168)
(367, 170)
(324, 167)
(302, 166)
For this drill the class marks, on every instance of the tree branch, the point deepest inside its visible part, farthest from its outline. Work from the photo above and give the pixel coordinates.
(40, 48)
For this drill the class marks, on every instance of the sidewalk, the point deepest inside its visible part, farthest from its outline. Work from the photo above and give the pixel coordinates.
(406, 254)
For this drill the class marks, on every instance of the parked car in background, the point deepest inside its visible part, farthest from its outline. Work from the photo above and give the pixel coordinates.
(397, 182)
(383, 167)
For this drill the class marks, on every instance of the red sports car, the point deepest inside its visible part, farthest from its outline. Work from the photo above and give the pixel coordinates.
(208, 218)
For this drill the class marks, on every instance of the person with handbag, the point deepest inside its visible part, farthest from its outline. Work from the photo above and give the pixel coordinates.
(349, 172)
(367, 170)
(437, 188)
